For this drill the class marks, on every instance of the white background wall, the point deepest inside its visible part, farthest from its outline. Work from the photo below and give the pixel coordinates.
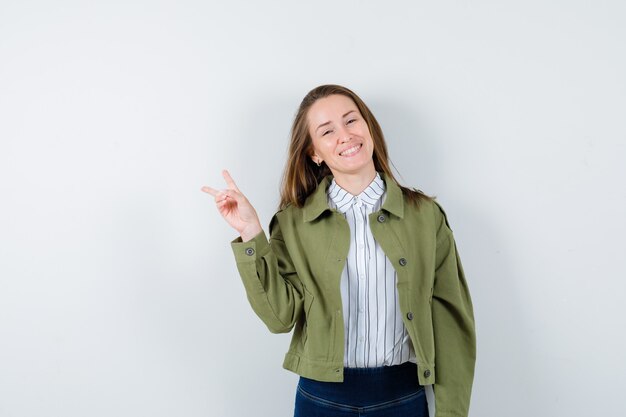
(119, 294)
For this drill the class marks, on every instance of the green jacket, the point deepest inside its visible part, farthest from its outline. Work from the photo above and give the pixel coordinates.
(292, 281)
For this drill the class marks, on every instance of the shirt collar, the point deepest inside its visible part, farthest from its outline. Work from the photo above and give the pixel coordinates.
(317, 202)
(343, 200)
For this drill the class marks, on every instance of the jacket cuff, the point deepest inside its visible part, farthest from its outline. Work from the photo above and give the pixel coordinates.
(250, 251)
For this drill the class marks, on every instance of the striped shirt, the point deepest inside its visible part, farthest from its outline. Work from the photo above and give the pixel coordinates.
(375, 333)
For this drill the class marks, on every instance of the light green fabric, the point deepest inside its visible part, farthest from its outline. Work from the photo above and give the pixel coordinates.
(292, 282)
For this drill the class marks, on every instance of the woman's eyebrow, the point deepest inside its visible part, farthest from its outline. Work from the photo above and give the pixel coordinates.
(324, 124)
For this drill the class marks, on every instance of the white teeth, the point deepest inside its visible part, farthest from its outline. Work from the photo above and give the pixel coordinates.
(350, 151)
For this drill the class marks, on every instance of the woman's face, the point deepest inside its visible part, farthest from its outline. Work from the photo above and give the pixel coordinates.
(340, 135)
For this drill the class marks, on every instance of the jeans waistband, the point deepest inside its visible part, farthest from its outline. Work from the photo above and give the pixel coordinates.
(366, 386)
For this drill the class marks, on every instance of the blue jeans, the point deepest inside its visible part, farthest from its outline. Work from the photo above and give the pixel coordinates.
(389, 391)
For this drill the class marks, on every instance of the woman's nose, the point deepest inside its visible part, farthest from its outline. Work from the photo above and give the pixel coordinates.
(344, 134)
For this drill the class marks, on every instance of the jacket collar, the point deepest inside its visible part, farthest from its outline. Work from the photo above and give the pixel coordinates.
(317, 202)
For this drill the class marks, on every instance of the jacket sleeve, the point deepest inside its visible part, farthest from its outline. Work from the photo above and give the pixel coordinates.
(453, 324)
(269, 277)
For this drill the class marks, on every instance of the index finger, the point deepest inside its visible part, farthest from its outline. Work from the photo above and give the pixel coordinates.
(230, 181)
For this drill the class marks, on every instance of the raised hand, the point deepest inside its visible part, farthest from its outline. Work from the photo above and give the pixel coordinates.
(235, 208)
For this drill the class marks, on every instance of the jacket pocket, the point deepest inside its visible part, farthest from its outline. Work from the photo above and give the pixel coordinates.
(308, 302)
(333, 337)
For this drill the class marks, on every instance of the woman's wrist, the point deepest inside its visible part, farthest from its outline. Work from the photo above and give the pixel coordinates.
(249, 234)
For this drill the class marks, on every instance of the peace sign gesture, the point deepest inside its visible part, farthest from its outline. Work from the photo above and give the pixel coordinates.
(235, 208)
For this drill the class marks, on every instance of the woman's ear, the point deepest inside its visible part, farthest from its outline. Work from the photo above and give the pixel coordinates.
(316, 159)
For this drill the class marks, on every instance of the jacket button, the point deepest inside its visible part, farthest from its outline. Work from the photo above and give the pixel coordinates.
(381, 218)
(409, 315)
(427, 373)
(402, 261)
(249, 251)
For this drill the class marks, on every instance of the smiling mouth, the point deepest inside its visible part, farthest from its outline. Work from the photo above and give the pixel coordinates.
(351, 151)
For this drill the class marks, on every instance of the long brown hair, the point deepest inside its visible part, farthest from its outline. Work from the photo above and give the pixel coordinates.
(302, 176)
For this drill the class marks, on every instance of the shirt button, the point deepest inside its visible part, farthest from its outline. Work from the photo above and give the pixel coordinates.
(402, 261)
(381, 218)
(362, 276)
(249, 251)
(427, 373)
(409, 315)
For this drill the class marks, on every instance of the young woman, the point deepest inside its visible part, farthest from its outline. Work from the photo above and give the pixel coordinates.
(364, 270)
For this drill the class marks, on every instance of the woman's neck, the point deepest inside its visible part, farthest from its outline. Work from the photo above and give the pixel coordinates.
(355, 183)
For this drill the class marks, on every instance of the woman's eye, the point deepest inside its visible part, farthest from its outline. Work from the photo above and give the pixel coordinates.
(351, 120)
(328, 131)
